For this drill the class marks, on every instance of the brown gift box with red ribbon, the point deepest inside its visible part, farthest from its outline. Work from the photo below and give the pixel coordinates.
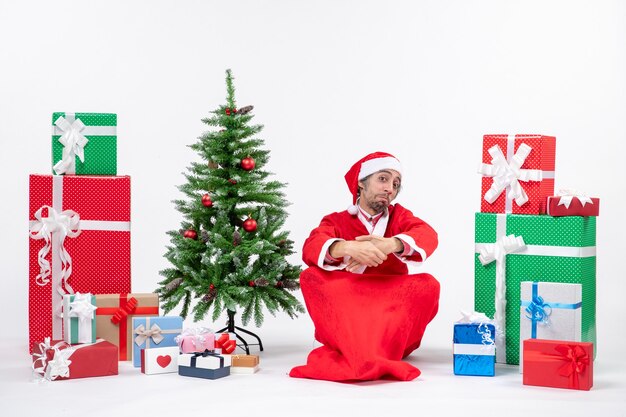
(558, 364)
(114, 318)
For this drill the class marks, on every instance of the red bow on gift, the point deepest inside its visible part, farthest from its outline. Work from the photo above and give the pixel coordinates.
(225, 343)
(123, 312)
(576, 361)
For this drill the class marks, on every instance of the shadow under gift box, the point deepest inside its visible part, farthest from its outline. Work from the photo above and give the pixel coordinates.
(114, 318)
(87, 360)
(96, 212)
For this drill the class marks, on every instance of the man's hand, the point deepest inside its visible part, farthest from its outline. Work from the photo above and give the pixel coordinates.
(362, 253)
(387, 245)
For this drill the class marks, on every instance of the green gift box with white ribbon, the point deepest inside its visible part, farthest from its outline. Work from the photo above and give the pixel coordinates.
(79, 318)
(511, 248)
(84, 143)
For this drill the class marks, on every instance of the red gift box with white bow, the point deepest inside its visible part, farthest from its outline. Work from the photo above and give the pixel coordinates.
(572, 203)
(57, 360)
(558, 364)
(518, 173)
(80, 242)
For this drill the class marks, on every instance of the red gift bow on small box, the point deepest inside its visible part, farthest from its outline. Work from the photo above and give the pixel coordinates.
(576, 361)
(225, 343)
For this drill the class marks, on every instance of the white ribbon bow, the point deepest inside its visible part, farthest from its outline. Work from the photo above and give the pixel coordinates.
(473, 317)
(81, 307)
(64, 224)
(509, 175)
(73, 142)
(568, 195)
(58, 366)
(154, 332)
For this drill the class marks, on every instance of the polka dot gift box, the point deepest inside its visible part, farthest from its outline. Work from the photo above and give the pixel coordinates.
(518, 173)
(513, 248)
(79, 242)
(84, 143)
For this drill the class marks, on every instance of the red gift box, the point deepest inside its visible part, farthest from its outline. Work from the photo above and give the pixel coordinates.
(80, 242)
(573, 205)
(58, 360)
(518, 173)
(558, 364)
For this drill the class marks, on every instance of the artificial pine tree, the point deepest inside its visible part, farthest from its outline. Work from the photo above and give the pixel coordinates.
(230, 252)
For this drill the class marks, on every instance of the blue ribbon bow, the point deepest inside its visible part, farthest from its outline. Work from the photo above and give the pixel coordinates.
(538, 311)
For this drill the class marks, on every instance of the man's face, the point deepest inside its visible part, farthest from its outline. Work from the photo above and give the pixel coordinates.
(379, 190)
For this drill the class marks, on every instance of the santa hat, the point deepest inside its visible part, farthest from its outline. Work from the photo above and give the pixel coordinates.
(365, 166)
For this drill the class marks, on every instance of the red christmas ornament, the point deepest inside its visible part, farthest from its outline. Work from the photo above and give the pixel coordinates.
(234, 110)
(248, 163)
(190, 234)
(227, 111)
(251, 283)
(279, 284)
(206, 201)
(249, 225)
(211, 286)
(232, 181)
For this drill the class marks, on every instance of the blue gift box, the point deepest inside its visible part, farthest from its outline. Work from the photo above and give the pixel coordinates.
(207, 365)
(151, 332)
(474, 349)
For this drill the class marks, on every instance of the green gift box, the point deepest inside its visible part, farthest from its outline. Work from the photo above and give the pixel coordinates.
(511, 248)
(84, 143)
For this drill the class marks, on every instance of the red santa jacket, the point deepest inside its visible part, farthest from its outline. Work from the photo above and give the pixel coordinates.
(345, 226)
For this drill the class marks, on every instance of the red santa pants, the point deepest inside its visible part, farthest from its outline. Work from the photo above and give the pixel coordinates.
(367, 323)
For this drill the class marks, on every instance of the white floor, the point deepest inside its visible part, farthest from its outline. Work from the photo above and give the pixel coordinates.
(272, 393)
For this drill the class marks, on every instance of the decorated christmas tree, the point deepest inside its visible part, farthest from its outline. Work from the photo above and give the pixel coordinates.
(230, 253)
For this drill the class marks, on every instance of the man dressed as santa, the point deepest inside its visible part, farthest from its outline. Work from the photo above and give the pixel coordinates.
(368, 311)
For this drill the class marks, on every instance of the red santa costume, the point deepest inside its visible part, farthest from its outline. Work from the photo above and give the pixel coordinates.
(370, 320)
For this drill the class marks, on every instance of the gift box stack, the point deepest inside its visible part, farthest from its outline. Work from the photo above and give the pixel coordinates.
(80, 306)
(535, 261)
(204, 354)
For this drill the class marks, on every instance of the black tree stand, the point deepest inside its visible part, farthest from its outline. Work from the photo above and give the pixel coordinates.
(230, 327)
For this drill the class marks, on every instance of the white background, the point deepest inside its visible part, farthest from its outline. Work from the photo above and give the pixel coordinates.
(331, 81)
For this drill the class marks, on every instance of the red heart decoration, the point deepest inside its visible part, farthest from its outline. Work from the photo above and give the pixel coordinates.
(164, 360)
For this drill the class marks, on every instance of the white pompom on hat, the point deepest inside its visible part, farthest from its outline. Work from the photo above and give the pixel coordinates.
(368, 165)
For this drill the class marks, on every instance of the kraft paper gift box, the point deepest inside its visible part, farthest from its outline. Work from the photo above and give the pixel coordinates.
(568, 203)
(193, 340)
(244, 364)
(205, 365)
(558, 364)
(518, 173)
(114, 318)
(160, 360)
(79, 318)
(80, 242)
(84, 143)
(57, 360)
(515, 248)
(551, 311)
(151, 332)
(474, 349)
